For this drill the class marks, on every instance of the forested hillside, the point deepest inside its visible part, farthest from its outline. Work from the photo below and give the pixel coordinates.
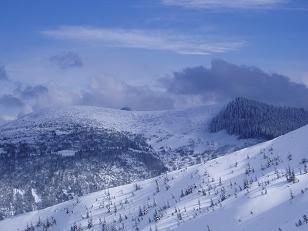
(56, 166)
(251, 119)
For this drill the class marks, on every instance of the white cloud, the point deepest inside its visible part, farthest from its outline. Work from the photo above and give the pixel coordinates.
(146, 39)
(116, 94)
(215, 4)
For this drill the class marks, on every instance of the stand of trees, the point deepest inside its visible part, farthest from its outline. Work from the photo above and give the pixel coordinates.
(251, 119)
(38, 168)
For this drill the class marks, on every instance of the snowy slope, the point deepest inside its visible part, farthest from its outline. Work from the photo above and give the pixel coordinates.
(244, 190)
(172, 131)
(83, 149)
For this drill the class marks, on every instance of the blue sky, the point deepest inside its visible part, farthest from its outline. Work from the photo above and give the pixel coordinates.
(138, 42)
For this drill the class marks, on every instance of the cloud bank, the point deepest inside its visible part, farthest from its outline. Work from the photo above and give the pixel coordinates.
(32, 92)
(192, 86)
(117, 94)
(146, 39)
(17, 98)
(10, 101)
(224, 81)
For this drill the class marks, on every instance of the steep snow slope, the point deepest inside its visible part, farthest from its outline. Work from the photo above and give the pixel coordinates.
(172, 131)
(260, 188)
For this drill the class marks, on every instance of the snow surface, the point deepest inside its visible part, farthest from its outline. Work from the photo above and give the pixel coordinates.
(37, 199)
(265, 205)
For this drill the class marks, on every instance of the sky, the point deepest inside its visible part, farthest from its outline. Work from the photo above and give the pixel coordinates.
(151, 54)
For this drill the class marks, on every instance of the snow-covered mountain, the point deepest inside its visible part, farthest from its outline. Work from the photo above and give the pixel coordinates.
(50, 156)
(164, 130)
(260, 188)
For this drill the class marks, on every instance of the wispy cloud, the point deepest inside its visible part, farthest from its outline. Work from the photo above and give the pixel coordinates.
(215, 4)
(67, 60)
(147, 39)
